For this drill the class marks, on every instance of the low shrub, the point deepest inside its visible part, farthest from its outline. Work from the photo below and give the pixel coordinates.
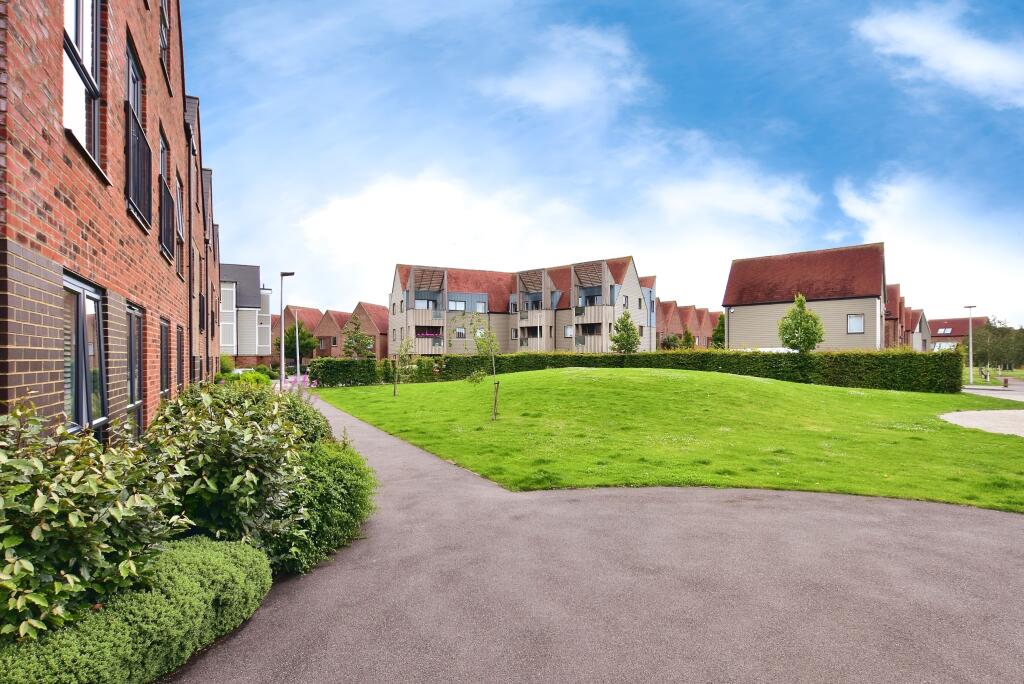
(78, 520)
(227, 364)
(250, 377)
(338, 372)
(262, 369)
(312, 425)
(240, 462)
(198, 591)
(337, 496)
(888, 369)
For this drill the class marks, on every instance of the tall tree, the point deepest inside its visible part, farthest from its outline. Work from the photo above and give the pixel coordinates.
(626, 338)
(718, 336)
(307, 343)
(688, 342)
(801, 329)
(358, 345)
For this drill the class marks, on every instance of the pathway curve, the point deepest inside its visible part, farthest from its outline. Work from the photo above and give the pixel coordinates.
(1003, 422)
(459, 580)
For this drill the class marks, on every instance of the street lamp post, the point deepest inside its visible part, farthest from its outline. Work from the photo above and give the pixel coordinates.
(298, 360)
(970, 343)
(280, 340)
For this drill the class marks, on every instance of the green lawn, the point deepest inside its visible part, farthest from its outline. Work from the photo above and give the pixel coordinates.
(639, 427)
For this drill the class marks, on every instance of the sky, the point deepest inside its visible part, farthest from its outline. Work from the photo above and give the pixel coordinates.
(502, 135)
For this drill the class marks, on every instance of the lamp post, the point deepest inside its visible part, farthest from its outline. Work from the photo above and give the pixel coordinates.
(970, 343)
(298, 360)
(280, 342)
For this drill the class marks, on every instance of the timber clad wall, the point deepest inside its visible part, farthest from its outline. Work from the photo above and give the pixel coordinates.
(64, 216)
(757, 326)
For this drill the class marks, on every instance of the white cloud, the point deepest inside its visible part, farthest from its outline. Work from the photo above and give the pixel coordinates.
(945, 247)
(573, 67)
(929, 43)
(686, 231)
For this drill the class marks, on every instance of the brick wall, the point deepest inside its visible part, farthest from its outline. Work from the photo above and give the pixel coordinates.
(64, 213)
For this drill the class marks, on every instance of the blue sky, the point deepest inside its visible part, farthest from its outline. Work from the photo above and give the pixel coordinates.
(347, 137)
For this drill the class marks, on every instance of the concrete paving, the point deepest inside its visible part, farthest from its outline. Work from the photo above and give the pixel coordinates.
(459, 580)
(1015, 392)
(1004, 422)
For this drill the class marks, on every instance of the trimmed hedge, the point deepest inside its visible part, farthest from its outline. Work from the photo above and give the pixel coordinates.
(199, 590)
(337, 495)
(890, 369)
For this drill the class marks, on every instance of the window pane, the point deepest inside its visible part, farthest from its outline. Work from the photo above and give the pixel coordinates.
(75, 102)
(86, 49)
(92, 358)
(71, 18)
(70, 334)
(855, 323)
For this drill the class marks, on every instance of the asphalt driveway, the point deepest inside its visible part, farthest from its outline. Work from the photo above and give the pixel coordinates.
(460, 580)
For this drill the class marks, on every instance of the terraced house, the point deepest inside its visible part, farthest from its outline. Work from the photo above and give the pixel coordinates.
(108, 250)
(562, 308)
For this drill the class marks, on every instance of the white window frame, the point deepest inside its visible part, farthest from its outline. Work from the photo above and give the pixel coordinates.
(480, 307)
(454, 305)
(513, 333)
(567, 331)
(850, 318)
(460, 333)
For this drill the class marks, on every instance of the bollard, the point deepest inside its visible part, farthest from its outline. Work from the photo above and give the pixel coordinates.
(1006, 383)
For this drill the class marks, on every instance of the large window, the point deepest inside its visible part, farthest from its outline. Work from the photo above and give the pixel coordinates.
(167, 212)
(82, 73)
(138, 184)
(165, 358)
(136, 370)
(180, 348)
(85, 392)
(422, 304)
(456, 305)
(179, 221)
(855, 324)
(567, 331)
(480, 307)
(165, 35)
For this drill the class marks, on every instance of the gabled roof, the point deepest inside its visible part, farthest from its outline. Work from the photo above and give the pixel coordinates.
(378, 314)
(668, 319)
(839, 273)
(958, 326)
(306, 314)
(618, 268)
(906, 314)
(648, 281)
(915, 318)
(340, 318)
(497, 285)
(715, 315)
(892, 301)
(561, 280)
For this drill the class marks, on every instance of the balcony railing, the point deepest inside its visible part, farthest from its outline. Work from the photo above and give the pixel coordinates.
(138, 176)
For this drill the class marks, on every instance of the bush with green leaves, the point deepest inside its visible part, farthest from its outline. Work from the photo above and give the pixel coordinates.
(801, 329)
(198, 590)
(626, 337)
(227, 364)
(337, 496)
(250, 377)
(312, 425)
(261, 368)
(240, 462)
(78, 520)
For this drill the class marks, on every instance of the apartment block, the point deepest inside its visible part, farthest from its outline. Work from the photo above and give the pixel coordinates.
(244, 316)
(108, 250)
(441, 310)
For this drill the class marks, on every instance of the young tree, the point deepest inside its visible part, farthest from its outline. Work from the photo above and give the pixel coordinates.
(307, 343)
(485, 345)
(358, 345)
(718, 336)
(672, 342)
(688, 342)
(801, 329)
(403, 363)
(626, 338)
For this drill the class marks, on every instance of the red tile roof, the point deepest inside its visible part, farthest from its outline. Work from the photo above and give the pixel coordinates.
(403, 275)
(915, 318)
(340, 318)
(648, 281)
(618, 267)
(958, 326)
(906, 313)
(497, 285)
(892, 301)
(378, 314)
(307, 315)
(561, 279)
(668, 319)
(843, 272)
(715, 315)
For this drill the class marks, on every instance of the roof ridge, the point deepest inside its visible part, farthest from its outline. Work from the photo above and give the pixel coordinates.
(812, 251)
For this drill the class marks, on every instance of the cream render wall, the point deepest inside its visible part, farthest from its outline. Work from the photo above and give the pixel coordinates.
(757, 326)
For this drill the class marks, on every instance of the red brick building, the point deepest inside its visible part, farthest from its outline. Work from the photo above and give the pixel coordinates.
(108, 250)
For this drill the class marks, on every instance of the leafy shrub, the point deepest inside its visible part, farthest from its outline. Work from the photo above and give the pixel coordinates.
(334, 372)
(261, 368)
(77, 520)
(888, 369)
(198, 590)
(250, 378)
(227, 364)
(312, 425)
(337, 496)
(801, 329)
(240, 458)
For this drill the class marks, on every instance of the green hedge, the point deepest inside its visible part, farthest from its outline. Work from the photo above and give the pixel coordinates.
(337, 495)
(895, 369)
(199, 590)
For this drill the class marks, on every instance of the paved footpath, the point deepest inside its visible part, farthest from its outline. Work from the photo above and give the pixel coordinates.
(459, 580)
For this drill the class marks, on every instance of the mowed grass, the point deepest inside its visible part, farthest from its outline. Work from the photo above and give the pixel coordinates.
(642, 427)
